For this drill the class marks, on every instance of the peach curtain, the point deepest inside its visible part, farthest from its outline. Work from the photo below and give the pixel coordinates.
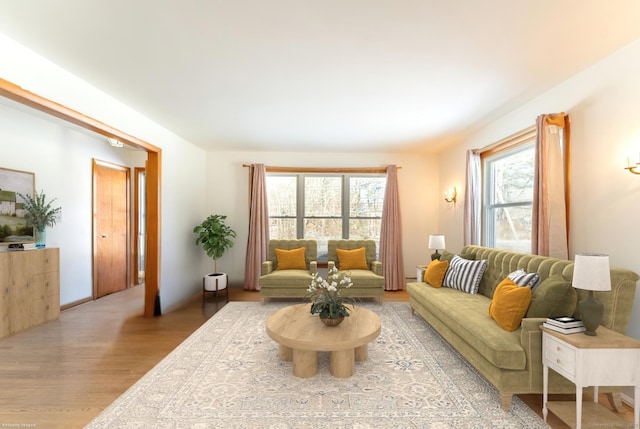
(550, 199)
(391, 234)
(472, 199)
(258, 241)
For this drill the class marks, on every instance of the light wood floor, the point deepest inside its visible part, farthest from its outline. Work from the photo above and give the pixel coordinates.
(62, 374)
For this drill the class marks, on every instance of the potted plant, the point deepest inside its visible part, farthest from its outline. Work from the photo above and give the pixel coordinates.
(215, 237)
(327, 298)
(40, 214)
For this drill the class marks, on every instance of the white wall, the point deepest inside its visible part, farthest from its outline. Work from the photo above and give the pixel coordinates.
(227, 194)
(605, 128)
(182, 169)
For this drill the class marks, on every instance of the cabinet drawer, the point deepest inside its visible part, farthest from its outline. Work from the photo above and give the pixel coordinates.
(559, 355)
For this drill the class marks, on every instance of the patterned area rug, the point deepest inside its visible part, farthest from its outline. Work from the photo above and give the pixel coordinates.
(228, 375)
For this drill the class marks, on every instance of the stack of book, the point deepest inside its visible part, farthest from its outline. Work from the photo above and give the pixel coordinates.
(564, 324)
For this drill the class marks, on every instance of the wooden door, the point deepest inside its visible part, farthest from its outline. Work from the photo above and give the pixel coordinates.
(110, 228)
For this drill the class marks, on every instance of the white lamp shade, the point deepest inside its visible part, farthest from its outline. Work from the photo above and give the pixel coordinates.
(436, 241)
(591, 272)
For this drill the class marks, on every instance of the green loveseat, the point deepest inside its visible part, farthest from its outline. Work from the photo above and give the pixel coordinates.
(512, 361)
(366, 283)
(276, 283)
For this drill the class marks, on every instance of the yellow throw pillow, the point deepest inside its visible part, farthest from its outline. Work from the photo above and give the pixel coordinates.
(352, 259)
(434, 274)
(291, 259)
(509, 304)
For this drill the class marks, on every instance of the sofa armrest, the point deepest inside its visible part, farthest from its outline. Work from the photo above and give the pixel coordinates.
(267, 267)
(531, 341)
(313, 267)
(376, 267)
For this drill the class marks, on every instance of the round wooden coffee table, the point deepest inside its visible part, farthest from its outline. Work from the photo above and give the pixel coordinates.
(302, 335)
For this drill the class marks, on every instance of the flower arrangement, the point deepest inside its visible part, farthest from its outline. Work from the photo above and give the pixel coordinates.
(326, 294)
(39, 213)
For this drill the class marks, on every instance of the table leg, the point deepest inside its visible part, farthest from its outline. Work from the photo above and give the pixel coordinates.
(636, 406)
(286, 353)
(362, 353)
(545, 389)
(341, 363)
(578, 407)
(305, 363)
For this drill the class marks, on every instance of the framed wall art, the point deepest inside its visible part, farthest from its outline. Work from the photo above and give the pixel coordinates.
(13, 224)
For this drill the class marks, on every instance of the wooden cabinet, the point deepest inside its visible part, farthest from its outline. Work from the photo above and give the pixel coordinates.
(29, 289)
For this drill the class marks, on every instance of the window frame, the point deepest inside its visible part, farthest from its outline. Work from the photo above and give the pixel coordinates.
(510, 146)
(345, 212)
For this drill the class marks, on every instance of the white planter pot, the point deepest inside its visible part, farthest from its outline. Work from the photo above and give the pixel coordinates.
(215, 281)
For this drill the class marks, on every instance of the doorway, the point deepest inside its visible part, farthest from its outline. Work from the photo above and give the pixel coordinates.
(110, 228)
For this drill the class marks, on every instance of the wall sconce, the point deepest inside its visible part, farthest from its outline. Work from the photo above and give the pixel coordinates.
(633, 167)
(451, 195)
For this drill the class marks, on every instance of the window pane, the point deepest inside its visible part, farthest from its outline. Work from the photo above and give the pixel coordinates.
(364, 229)
(282, 228)
(322, 230)
(366, 195)
(323, 197)
(513, 177)
(281, 196)
(513, 228)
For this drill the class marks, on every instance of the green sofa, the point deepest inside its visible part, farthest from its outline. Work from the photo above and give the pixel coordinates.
(276, 283)
(366, 283)
(512, 361)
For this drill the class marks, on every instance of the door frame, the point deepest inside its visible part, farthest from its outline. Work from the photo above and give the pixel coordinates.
(153, 176)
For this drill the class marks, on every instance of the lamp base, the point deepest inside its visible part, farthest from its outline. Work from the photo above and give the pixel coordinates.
(435, 256)
(591, 311)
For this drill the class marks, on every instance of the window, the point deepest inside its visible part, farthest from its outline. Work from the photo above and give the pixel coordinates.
(325, 206)
(508, 197)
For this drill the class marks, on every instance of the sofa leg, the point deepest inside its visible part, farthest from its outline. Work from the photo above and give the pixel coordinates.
(263, 300)
(505, 399)
(413, 311)
(615, 399)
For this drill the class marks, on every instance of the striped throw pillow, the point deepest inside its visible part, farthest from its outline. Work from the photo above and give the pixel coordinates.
(464, 275)
(522, 278)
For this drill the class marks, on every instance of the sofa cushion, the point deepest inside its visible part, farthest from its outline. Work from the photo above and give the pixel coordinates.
(468, 316)
(509, 304)
(287, 279)
(435, 272)
(352, 259)
(448, 256)
(464, 275)
(553, 297)
(291, 259)
(522, 278)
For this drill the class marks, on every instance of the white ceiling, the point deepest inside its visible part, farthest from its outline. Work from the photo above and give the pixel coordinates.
(322, 75)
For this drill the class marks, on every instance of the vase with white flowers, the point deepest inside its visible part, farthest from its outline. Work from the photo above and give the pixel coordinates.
(327, 296)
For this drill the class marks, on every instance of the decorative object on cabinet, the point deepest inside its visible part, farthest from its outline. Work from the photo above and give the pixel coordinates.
(13, 224)
(40, 214)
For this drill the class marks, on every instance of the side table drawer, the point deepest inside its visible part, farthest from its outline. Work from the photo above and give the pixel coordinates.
(559, 355)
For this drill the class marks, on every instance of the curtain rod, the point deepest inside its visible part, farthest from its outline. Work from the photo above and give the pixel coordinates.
(272, 169)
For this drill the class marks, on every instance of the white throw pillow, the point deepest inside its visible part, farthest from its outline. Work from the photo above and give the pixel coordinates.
(464, 275)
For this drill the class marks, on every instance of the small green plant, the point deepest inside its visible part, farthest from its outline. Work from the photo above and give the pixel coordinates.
(215, 237)
(40, 213)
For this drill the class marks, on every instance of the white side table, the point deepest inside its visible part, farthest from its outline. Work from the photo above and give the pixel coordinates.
(608, 359)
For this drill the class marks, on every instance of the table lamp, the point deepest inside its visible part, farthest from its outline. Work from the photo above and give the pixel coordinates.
(436, 241)
(591, 272)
